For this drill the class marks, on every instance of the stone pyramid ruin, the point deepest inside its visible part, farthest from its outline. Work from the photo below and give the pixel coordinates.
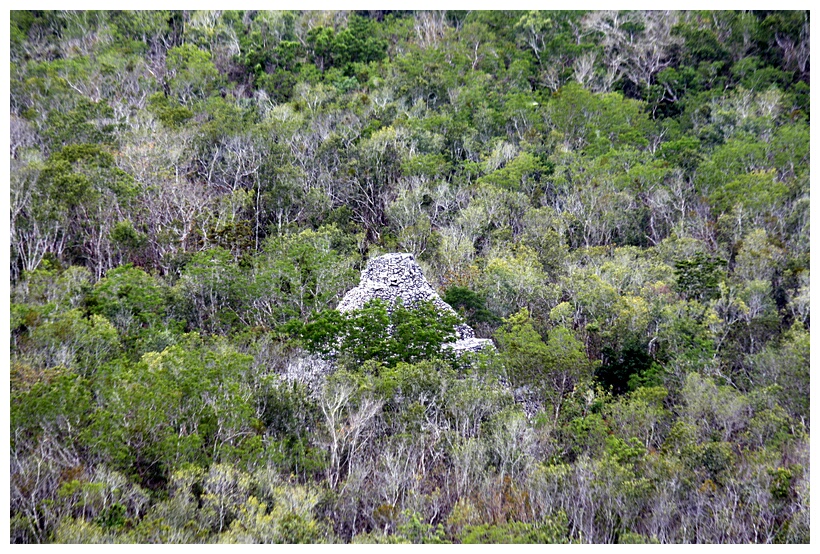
(394, 276)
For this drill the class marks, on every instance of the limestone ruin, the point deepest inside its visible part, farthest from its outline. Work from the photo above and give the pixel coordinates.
(393, 276)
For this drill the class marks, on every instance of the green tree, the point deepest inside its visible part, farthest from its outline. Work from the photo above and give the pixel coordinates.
(192, 75)
(299, 274)
(186, 404)
(553, 368)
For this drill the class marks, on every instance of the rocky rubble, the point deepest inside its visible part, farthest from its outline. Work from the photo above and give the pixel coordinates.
(394, 276)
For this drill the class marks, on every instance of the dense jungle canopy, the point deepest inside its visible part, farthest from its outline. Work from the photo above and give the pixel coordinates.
(620, 200)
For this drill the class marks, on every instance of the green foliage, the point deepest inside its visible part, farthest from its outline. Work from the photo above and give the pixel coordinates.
(86, 123)
(289, 416)
(128, 291)
(587, 436)
(523, 348)
(551, 531)
(193, 75)
(698, 277)
(628, 369)
(69, 339)
(57, 406)
(354, 44)
(471, 306)
(64, 288)
(415, 531)
(553, 368)
(630, 190)
(167, 111)
(299, 274)
(386, 334)
(210, 287)
(640, 417)
(787, 367)
(585, 121)
(181, 426)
